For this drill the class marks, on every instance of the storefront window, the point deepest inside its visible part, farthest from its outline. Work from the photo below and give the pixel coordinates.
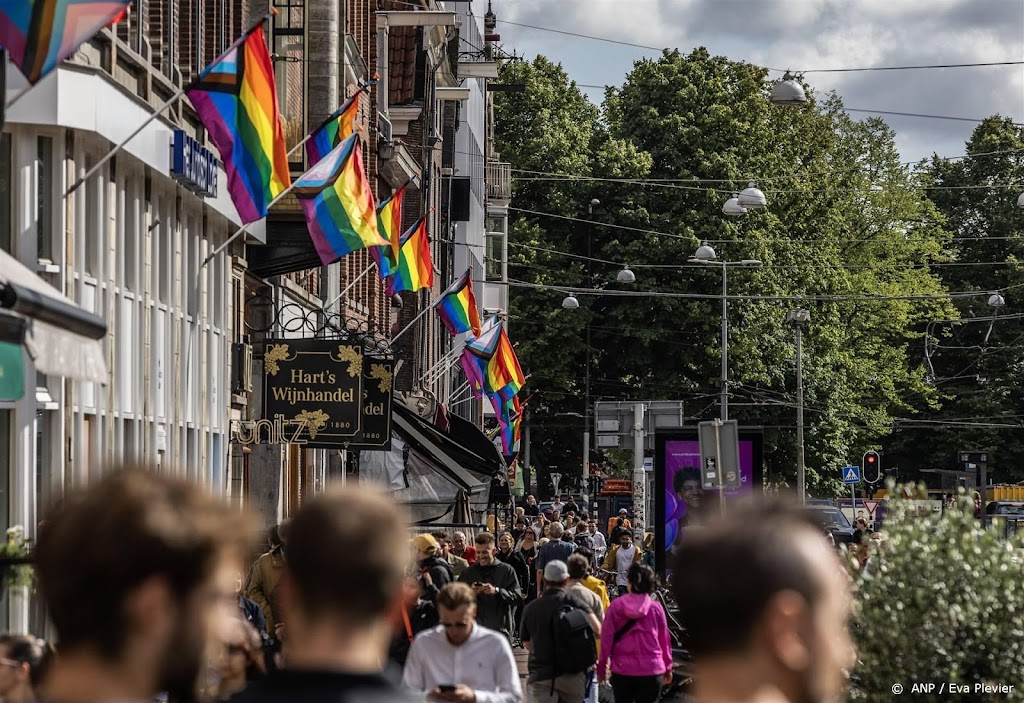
(6, 195)
(44, 196)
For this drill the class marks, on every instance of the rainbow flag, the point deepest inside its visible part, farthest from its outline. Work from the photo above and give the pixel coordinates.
(457, 307)
(415, 269)
(389, 226)
(508, 415)
(338, 202)
(336, 128)
(503, 375)
(478, 351)
(236, 99)
(39, 34)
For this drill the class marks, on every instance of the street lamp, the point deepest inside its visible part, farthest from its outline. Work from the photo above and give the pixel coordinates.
(997, 301)
(788, 92)
(705, 254)
(751, 197)
(570, 302)
(798, 318)
(1020, 201)
(625, 276)
(732, 206)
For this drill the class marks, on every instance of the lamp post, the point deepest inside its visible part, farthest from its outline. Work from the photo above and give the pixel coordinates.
(706, 255)
(798, 318)
(586, 392)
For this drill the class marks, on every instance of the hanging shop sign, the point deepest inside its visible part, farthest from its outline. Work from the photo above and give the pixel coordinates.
(193, 165)
(318, 383)
(375, 423)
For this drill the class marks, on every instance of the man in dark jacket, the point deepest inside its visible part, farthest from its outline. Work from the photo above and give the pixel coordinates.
(496, 586)
(507, 554)
(434, 571)
(555, 550)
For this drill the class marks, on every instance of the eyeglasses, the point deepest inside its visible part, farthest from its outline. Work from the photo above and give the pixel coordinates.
(13, 663)
(456, 625)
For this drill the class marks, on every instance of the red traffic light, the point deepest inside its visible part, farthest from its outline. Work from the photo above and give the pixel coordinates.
(871, 458)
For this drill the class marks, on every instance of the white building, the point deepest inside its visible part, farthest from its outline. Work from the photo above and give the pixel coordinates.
(129, 245)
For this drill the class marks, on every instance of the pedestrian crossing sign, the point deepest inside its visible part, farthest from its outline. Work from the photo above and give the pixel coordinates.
(851, 474)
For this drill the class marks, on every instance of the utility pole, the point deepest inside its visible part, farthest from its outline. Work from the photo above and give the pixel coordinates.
(798, 318)
(639, 476)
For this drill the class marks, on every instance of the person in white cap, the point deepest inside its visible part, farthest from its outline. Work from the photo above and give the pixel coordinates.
(548, 679)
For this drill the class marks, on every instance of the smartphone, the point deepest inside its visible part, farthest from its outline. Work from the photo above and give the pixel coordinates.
(446, 689)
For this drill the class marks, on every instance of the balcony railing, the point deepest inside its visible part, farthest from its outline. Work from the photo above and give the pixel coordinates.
(499, 180)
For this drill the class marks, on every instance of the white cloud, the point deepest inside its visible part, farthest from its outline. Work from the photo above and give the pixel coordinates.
(809, 34)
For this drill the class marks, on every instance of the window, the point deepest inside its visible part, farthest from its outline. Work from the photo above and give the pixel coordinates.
(132, 232)
(6, 196)
(44, 197)
(495, 253)
(90, 243)
(495, 246)
(290, 69)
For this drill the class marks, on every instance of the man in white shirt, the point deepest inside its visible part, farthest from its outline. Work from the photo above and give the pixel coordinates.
(600, 545)
(620, 558)
(460, 661)
(558, 505)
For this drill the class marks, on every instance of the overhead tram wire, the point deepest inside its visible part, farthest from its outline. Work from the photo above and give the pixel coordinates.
(803, 297)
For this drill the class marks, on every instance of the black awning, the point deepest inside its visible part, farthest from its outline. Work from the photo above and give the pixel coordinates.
(465, 446)
(288, 250)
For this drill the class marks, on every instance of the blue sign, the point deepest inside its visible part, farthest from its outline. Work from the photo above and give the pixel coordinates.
(193, 165)
(851, 474)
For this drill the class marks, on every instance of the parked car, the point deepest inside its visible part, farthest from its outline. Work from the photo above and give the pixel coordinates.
(1005, 507)
(833, 521)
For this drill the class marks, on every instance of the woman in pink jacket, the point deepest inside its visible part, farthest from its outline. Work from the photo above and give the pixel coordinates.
(635, 639)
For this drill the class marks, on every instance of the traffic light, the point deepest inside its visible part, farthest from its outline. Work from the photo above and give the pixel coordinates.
(871, 467)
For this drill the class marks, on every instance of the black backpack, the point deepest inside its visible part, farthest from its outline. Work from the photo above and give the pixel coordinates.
(584, 540)
(575, 642)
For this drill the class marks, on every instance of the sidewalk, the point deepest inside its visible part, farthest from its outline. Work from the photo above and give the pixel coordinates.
(521, 656)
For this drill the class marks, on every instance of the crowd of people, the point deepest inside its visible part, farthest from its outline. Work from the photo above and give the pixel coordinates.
(345, 605)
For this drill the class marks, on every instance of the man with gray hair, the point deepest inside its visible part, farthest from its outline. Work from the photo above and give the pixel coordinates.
(555, 550)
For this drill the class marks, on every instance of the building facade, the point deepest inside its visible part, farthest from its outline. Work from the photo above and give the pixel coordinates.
(147, 247)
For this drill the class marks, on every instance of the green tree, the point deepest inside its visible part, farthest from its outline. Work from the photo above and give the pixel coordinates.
(976, 362)
(845, 230)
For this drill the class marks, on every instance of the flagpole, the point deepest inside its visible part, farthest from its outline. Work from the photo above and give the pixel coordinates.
(18, 97)
(349, 287)
(238, 233)
(160, 110)
(446, 360)
(458, 391)
(414, 321)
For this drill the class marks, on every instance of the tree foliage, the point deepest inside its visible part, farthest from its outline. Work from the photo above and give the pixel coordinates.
(942, 601)
(976, 362)
(846, 229)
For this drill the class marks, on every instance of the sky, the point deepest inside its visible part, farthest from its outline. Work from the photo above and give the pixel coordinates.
(804, 35)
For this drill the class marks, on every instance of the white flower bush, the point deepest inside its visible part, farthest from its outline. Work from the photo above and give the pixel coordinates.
(940, 601)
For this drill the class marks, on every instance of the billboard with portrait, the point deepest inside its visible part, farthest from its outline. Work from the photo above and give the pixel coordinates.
(681, 503)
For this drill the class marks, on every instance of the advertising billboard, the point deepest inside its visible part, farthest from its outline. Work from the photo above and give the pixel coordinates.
(681, 502)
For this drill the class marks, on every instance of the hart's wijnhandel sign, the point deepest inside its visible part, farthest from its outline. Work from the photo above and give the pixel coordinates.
(318, 383)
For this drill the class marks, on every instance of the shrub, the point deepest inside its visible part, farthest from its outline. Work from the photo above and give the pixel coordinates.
(940, 601)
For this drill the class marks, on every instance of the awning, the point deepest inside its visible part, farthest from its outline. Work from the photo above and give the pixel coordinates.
(444, 461)
(61, 338)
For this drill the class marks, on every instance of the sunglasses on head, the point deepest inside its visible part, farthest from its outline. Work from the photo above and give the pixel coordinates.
(13, 663)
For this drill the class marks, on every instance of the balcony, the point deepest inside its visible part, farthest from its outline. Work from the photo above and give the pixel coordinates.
(499, 181)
